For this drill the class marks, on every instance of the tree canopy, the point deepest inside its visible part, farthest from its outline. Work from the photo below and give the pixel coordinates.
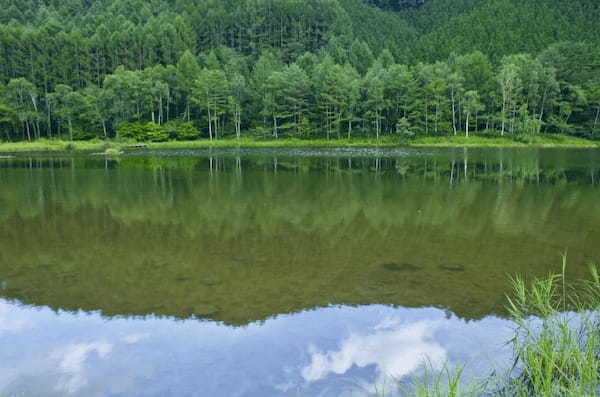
(306, 68)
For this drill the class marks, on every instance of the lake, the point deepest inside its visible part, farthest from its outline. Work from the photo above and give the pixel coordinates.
(276, 272)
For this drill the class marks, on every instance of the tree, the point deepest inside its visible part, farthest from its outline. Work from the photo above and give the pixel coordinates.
(7, 118)
(23, 98)
(509, 84)
(287, 96)
(374, 95)
(188, 71)
(211, 92)
(360, 56)
(98, 109)
(337, 89)
(471, 106)
(68, 104)
(237, 100)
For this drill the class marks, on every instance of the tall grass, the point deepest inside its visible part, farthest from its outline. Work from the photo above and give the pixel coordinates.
(557, 338)
(447, 382)
(556, 345)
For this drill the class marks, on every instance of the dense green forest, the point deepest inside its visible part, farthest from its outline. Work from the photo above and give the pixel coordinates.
(158, 70)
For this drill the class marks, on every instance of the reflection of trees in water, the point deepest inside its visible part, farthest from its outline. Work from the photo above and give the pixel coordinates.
(453, 166)
(258, 237)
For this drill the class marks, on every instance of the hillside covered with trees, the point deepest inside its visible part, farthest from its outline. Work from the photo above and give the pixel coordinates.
(158, 70)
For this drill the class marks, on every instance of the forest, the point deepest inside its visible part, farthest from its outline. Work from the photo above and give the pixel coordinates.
(183, 70)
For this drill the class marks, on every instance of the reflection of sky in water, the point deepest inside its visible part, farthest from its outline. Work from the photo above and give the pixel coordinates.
(325, 352)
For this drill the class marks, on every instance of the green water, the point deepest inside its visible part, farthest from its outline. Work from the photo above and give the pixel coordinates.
(241, 236)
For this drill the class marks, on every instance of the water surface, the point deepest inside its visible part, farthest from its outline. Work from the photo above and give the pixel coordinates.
(275, 272)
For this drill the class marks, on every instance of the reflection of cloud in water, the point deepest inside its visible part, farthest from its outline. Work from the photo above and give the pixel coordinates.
(396, 350)
(71, 363)
(83, 354)
(135, 338)
(8, 322)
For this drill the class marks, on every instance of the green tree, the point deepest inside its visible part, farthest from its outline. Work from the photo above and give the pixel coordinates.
(471, 106)
(23, 98)
(211, 92)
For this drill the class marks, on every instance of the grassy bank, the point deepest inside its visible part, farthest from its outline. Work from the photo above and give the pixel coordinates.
(98, 146)
(556, 345)
(542, 140)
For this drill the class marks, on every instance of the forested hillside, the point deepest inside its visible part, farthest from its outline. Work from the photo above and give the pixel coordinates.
(158, 70)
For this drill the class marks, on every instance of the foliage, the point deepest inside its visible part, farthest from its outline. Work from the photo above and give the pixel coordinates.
(181, 130)
(142, 131)
(318, 68)
(557, 355)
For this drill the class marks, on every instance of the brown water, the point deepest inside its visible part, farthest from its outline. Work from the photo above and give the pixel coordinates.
(258, 237)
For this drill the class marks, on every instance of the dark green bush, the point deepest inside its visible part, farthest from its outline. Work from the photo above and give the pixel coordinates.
(82, 134)
(181, 130)
(143, 131)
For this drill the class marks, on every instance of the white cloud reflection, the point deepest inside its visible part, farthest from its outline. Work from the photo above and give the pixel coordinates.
(72, 360)
(396, 349)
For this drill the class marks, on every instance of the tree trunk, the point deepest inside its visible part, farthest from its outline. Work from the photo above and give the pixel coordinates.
(542, 110)
(216, 120)
(426, 119)
(349, 128)
(209, 124)
(596, 120)
(503, 112)
(453, 113)
(28, 133)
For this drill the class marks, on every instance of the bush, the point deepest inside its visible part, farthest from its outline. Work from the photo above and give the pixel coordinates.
(404, 129)
(181, 130)
(527, 138)
(83, 134)
(143, 131)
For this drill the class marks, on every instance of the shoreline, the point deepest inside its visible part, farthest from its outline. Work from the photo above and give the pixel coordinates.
(97, 146)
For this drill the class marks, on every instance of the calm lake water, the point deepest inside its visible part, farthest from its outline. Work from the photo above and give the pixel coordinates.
(276, 272)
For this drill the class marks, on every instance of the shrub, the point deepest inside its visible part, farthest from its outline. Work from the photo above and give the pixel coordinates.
(143, 131)
(181, 130)
(83, 134)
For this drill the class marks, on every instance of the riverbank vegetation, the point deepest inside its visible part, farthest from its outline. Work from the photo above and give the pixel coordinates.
(556, 346)
(124, 145)
(322, 69)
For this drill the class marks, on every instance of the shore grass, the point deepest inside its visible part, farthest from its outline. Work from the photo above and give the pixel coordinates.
(557, 351)
(541, 140)
(99, 146)
(556, 345)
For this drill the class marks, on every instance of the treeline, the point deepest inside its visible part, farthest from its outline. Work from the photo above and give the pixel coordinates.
(344, 94)
(181, 69)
